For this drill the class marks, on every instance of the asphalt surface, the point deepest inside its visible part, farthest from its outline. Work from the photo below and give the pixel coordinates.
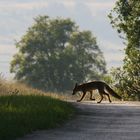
(115, 121)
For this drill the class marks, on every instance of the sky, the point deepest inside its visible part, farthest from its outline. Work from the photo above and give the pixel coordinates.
(17, 16)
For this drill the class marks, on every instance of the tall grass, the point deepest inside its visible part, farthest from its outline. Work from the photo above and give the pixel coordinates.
(23, 110)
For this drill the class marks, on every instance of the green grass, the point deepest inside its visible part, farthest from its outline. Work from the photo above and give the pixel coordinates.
(22, 114)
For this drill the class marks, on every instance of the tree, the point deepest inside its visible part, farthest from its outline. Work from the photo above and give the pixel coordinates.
(54, 54)
(125, 17)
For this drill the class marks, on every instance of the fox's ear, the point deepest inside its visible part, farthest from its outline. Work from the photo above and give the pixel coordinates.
(76, 85)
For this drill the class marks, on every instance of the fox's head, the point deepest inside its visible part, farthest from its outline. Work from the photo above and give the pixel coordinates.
(75, 89)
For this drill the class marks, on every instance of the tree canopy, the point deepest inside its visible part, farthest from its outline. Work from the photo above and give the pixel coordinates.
(125, 17)
(54, 54)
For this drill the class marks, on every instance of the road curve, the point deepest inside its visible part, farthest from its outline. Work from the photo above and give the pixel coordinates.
(115, 121)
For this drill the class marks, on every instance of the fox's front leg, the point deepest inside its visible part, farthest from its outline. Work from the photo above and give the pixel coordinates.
(84, 93)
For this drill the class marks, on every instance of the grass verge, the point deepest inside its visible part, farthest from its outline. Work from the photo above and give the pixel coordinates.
(22, 114)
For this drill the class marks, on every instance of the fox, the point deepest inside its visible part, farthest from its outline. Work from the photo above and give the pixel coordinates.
(102, 87)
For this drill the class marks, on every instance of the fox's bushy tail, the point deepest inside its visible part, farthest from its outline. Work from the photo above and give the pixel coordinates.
(112, 92)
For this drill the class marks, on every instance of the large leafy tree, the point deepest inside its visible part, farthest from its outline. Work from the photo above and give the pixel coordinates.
(125, 17)
(54, 54)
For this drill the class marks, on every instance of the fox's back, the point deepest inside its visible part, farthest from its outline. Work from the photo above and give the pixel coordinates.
(92, 85)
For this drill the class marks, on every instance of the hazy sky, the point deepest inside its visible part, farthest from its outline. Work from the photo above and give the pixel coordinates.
(17, 15)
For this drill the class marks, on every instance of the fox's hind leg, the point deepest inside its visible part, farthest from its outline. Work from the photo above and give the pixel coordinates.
(107, 96)
(101, 94)
(91, 98)
(101, 97)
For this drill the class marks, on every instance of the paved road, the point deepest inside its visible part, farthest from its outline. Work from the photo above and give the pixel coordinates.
(118, 121)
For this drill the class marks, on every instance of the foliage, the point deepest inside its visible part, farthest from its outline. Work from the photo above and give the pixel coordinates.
(108, 79)
(54, 54)
(125, 17)
(129, 77)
